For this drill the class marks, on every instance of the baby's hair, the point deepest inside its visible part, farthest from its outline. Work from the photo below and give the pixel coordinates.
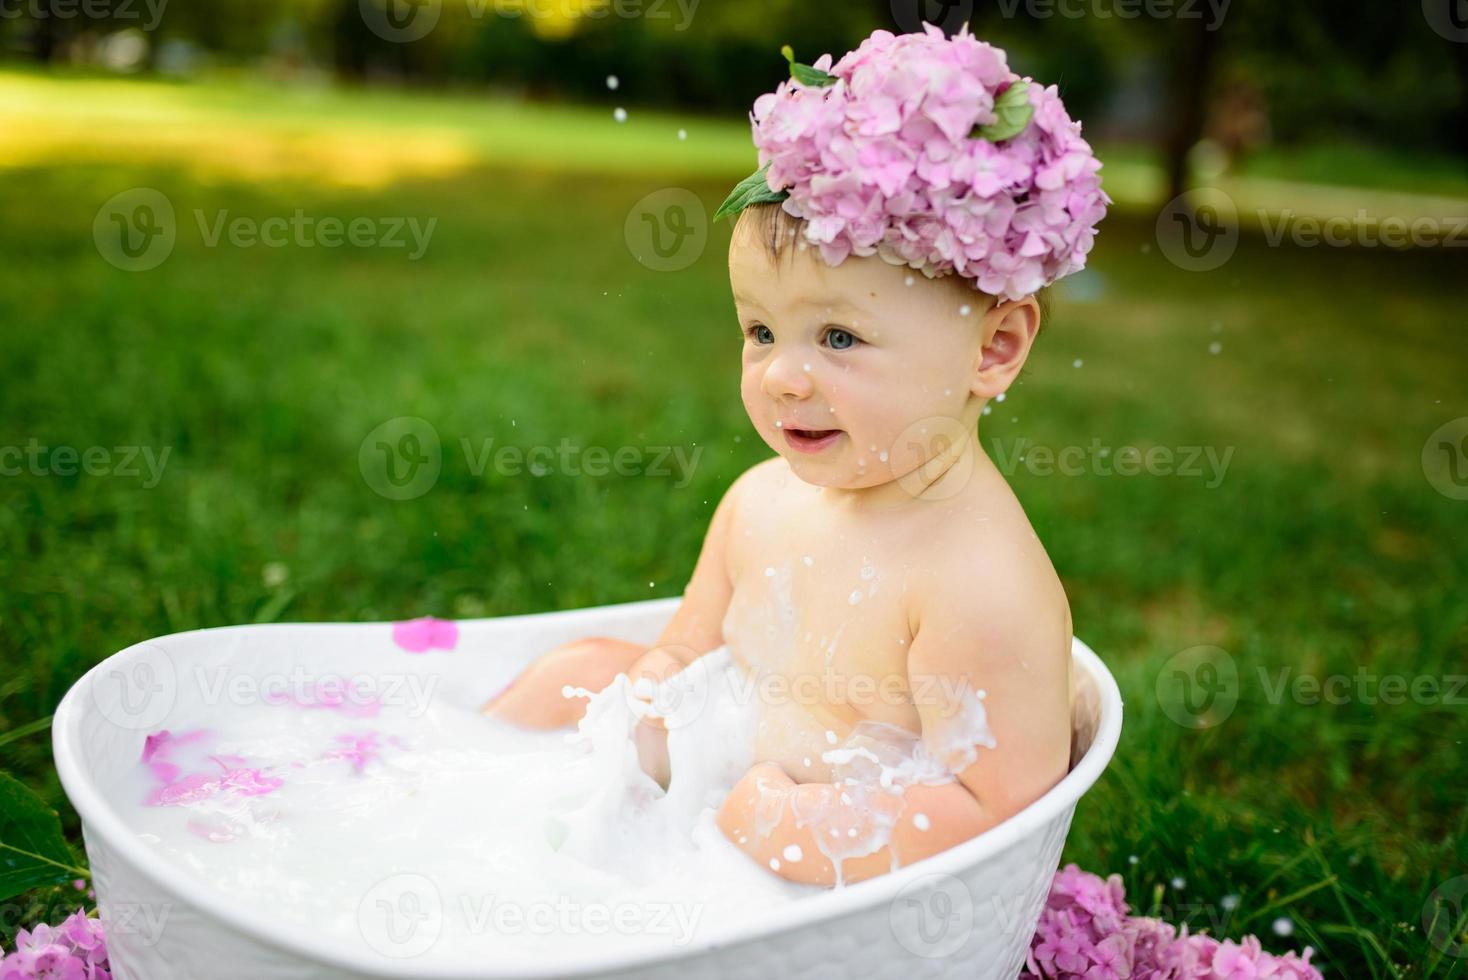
(779, 230)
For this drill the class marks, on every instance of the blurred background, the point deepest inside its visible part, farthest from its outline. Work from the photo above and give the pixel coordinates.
(370, 309)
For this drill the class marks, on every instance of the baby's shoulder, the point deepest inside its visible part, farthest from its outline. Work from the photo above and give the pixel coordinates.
(989, 560)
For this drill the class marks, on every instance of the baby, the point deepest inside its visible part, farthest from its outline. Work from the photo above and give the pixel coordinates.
(887, 266)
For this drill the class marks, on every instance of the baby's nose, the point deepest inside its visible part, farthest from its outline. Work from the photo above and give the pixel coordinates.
(788, 375)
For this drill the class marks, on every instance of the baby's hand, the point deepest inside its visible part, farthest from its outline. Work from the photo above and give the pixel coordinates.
(651, 736)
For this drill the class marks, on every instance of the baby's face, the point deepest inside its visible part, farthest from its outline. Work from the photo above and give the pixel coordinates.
(850, 373)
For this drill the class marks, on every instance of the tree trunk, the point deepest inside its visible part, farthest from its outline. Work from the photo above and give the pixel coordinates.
(1195, 56)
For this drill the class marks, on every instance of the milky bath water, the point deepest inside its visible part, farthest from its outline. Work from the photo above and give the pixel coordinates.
(425, 829)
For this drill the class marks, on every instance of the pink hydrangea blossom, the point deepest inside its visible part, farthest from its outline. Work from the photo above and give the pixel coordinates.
(74, 950)
(881, 162)
(1087, 932)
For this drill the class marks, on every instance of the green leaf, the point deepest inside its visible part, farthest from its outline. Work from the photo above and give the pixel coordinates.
(33, 851)
(29, 728)
(805, 74)
(754, 189)
(1014, 113)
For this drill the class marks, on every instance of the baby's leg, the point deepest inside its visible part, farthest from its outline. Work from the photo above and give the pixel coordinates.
(534, 700)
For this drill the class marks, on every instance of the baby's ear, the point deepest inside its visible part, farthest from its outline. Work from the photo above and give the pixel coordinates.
(1008, 333)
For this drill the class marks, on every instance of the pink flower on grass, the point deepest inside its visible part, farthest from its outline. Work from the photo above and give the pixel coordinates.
(427, 633)
(1087, 932)
(74, 950)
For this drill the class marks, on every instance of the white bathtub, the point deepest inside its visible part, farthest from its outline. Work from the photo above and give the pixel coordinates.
(967, 912)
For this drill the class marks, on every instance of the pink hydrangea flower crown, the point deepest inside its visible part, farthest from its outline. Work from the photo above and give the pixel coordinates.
(928, 151)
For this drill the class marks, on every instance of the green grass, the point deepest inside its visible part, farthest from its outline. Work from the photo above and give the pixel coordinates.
(1322, 550)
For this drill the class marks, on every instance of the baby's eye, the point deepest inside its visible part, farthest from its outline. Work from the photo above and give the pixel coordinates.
(761, 334)
(840, 339)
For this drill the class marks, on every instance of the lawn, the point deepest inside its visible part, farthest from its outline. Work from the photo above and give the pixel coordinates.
(1320, 552)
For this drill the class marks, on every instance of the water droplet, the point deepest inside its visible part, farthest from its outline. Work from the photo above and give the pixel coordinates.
(612, 82)
(793, 853)
(1215, 347)
(683, 134)
(1077, 362)
(921, 822)
(774, 864)
(1283, 927)
(619, 114)
(965, 310)
(855, 597)
(1179, 883)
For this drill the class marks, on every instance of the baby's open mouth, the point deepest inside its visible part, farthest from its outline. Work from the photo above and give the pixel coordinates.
(810, 440)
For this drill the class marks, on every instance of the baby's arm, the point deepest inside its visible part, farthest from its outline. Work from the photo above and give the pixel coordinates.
(1004, 646)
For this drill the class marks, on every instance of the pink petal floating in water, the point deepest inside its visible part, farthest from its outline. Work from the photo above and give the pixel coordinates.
(427, 633)
(204, 786)
(155, 742)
